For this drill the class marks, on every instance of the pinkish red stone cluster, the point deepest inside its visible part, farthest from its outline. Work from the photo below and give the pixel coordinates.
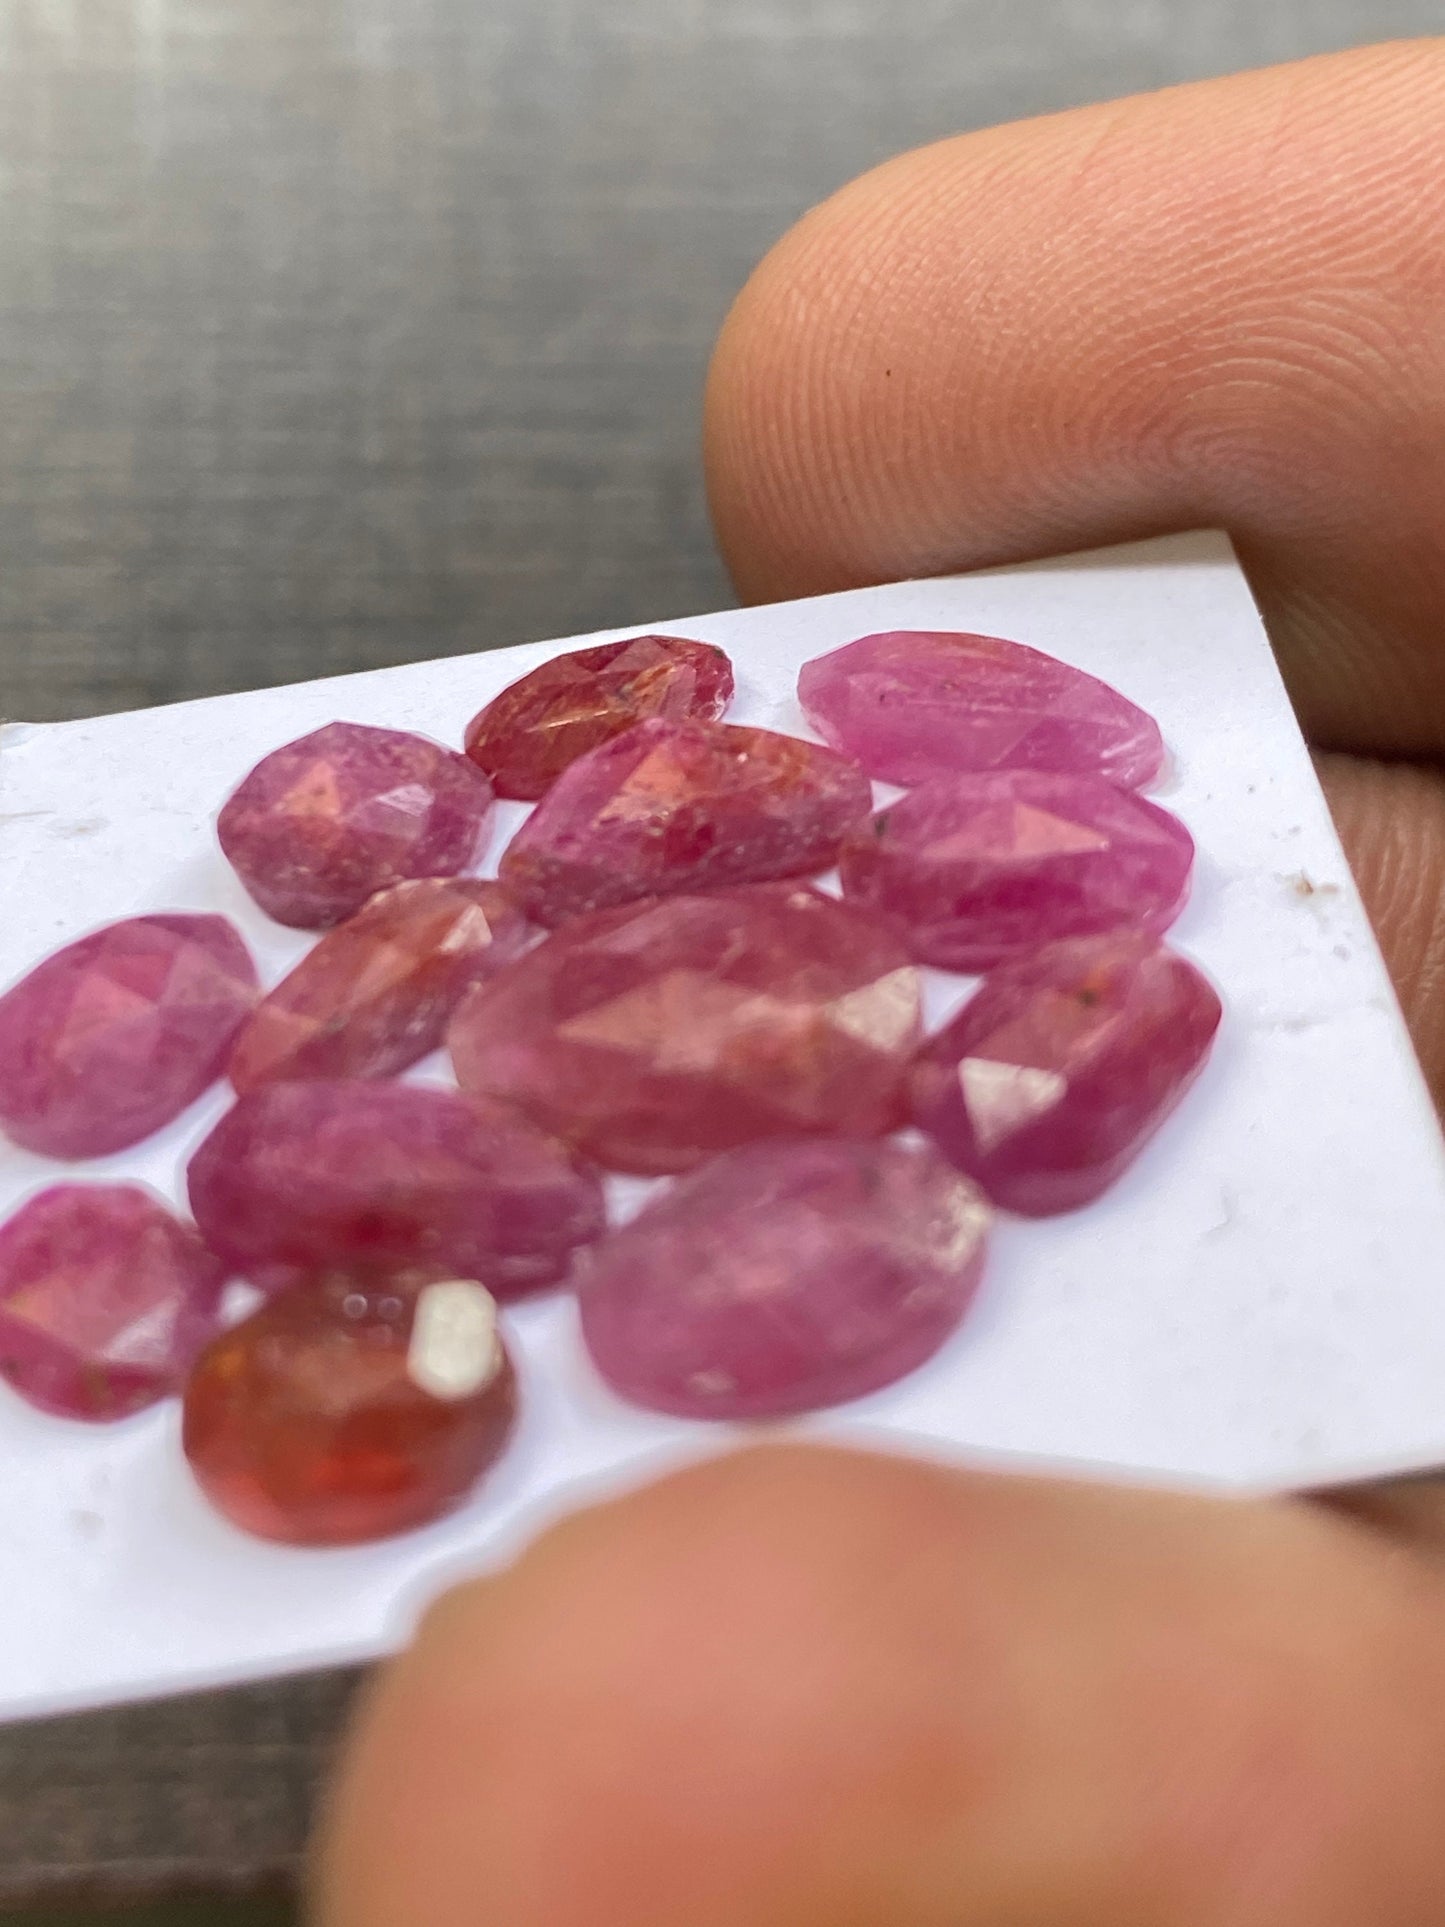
(698, 1007)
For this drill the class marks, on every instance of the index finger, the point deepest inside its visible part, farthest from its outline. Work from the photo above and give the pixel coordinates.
(1221, 305)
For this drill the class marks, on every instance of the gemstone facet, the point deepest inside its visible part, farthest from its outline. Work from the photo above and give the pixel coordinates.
(355, 1406)
(786, 1276)
(375, 993)
(979, 869)
(528, 735)
(334, 1171)
(1062, 1065)
(105, 1300)
(113, 1036)
(653, 1036)
(669, 807)
(325, 822)
(913, 704)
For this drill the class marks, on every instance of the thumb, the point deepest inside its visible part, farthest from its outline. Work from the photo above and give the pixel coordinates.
(797, 1688)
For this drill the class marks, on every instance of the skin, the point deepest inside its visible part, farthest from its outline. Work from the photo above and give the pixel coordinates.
(800, 1688)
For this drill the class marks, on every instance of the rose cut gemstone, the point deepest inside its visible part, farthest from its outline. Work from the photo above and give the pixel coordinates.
(337, 1172)
(782, 1277)
(325, 822)
(1059, 1069)
(528, 735)
(914, 704)
(671, 807)
(356, 1406)
(653, 1036)
(979, 869)
(105, 1300)
(375, 993)
(113, 1036)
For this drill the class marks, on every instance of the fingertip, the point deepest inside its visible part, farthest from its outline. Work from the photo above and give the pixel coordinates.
(1217, 306)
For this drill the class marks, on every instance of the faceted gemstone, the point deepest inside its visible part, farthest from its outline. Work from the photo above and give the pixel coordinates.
(335, 1172)
(652, 1036)
(116, 1034)
(375, 993)
(325, 822)
(358, 1405)
(105, 1299)
(1053, 1076)
(528, 735)
(785, 1276)
(913, 704)
(979, 869)
(669, 807)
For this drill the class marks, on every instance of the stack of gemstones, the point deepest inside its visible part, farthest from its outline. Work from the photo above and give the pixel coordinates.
(652, 986)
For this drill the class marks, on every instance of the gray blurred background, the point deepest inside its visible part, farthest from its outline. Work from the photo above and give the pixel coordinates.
(336, 332)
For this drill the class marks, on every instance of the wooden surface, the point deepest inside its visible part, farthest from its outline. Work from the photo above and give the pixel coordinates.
(337, 332)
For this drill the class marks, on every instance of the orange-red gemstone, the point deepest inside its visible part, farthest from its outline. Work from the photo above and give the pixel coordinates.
(670, 807)
(527, 736)
(375, 993)
(353, 1406)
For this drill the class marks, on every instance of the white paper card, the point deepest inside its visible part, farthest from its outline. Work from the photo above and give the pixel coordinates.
(1258, 1302)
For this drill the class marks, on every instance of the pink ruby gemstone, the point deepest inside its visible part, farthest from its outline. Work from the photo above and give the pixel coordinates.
(979, 869)
(782, 1277)
(671, 807)
(105, 1300)
(913, 704)
(1055, 1074)
(528, 735)
(375, 993)
(325, 822)
(655, 1035)
(333, 1171)
(113, 1036)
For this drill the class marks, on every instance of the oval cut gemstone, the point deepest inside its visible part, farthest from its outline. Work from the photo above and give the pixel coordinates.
(354, 1406)
(325, 822)
(375, 993)
(783, 1277)
(338, 1171)
(1062, 1066)
(913, 704)
(672, 807)
(528, 735)
(105, 1300)
(653, 1036)
(980, 869)
(113, 1036)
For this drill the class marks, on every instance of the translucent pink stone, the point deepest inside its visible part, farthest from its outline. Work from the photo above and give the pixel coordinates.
(375, 993)
(528, 735)
(785, 1276)
(655, 1035)
(105, 1300)
(979, 869)
(113, 1036)
(325, 822)
(331, 1172)
(1049, 1081)
(913, 704)
(671, 807)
